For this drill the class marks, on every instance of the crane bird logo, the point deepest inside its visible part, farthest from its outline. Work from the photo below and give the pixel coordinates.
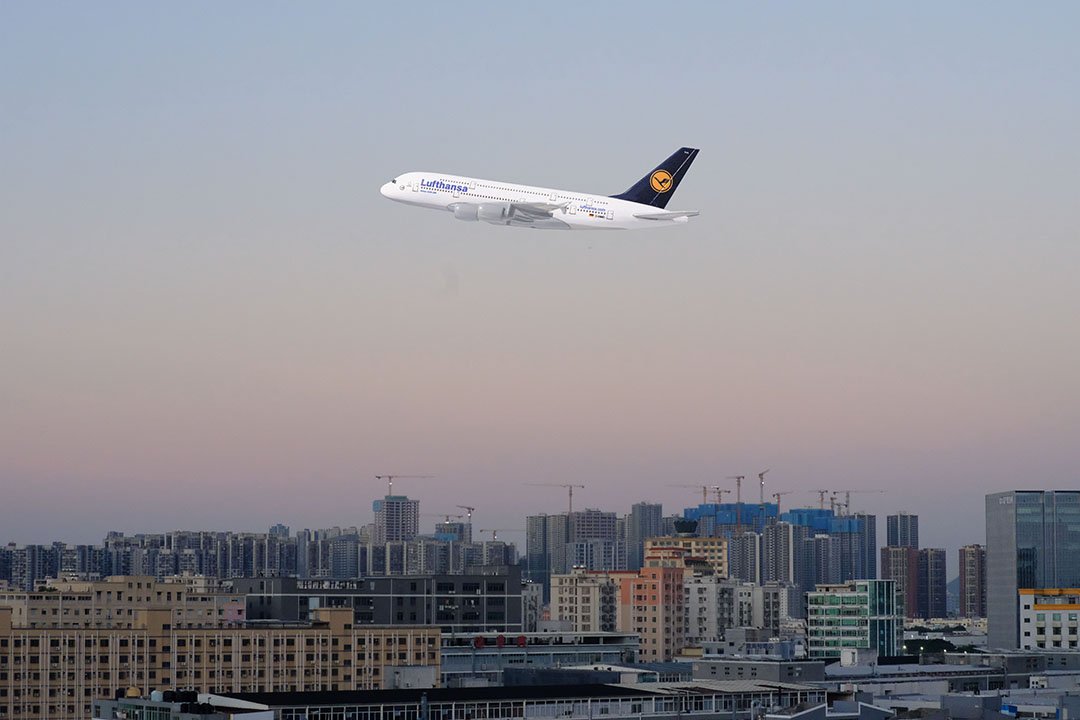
(660, 181)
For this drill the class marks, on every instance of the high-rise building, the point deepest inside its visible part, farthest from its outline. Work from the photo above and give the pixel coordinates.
(397, 518)
(744, 556)
(645, 521)
(859, 615)
(901, 566)
(1032, 542)
(932, 583)
(589, 601)
(651, 604)
(780, 544)
(973, 581)
(868, 530)
(902, 530)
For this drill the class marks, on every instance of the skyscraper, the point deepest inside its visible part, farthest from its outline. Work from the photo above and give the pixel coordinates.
(902, 530)
(973, 581)
(869, 545)
(644, 522)
(1032, 542)
(397, 518)
(932, 582)
(901, 565)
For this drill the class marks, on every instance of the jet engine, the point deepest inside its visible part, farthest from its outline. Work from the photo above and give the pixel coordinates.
(465, 211)
(495, 213)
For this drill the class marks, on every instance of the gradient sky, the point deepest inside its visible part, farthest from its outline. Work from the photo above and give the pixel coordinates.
(210, 318)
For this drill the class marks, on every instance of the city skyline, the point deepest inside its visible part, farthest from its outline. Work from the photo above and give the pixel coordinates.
(210, 317)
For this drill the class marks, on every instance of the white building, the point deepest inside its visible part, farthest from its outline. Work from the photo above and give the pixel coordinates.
(589, 601)
(1049, 619)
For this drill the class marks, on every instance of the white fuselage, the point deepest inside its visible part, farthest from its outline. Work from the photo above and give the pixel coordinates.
(568, 210)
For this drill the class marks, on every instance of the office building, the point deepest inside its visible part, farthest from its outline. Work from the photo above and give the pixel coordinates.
(1032, 542)
(973, 581)
(486, 600)
(868, 544)
(1050, 619)
(931, 600)
(902, 530)
(859, 615)
(57, 673)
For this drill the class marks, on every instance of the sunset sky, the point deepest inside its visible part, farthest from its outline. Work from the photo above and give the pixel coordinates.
(210, 318)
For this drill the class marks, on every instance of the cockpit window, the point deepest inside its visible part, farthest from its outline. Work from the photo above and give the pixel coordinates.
(394, 181)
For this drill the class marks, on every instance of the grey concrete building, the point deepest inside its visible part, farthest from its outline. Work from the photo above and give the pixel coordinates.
(486, 600)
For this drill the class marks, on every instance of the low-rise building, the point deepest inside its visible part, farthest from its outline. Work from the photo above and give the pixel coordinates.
(1049, 619)
(56, 672)
(704, 700)
(114, 601)
(488, 599)
(480, 659)
(858, 615)
(712, 550)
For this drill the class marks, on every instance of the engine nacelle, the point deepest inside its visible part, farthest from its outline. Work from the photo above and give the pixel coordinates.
(465, 211)
(495, 213)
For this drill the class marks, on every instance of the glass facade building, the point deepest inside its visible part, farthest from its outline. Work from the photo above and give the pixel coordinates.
(860, 615)
(1032, 542)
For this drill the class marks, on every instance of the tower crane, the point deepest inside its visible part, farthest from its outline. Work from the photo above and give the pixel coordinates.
(720, 493)
(469, 511)
(847, 497)
(569, 487)
(704, 491)
(495, 532)
(821, 497)
(390, 480)
(776, 496)
(738, 501)
(761, 481)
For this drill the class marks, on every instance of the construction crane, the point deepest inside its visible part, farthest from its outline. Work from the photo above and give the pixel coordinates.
(569, 487)
(495, 532)
(468, 510)
(447, 516)
(776, 496)
(821, 497)
(704, 491)
(738, 501)
(390, 480)
(847, 497)
(761, 481)
(719, 493)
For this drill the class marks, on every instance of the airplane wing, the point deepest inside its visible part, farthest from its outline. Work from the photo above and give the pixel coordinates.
(536, 210)
(675, 215)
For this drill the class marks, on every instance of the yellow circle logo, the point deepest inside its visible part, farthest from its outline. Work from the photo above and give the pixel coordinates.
(660, 181)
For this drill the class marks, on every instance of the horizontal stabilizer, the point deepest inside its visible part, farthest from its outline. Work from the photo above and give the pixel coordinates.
(674, 215)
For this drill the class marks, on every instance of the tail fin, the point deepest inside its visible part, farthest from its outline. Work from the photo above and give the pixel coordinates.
(658, 186)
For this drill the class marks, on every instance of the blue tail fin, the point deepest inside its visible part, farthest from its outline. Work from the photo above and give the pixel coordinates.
(658, 186)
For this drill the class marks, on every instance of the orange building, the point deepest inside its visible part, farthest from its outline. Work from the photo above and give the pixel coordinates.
(651, 604)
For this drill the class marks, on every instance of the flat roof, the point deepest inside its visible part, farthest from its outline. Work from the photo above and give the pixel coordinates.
(525, 692)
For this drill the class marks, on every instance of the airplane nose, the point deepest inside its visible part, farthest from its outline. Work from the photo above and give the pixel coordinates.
(385, 189)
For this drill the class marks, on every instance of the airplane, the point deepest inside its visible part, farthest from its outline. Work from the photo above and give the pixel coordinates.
(501, 203)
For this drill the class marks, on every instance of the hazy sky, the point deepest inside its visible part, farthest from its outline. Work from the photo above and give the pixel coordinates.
(210, 318)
